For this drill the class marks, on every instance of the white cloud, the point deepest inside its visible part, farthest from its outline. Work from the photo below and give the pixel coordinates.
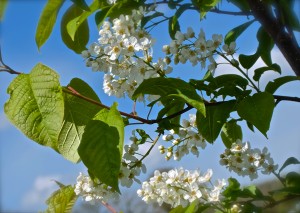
(42, 188)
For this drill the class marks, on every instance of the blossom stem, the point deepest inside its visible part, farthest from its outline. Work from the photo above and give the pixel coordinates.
(109, 207)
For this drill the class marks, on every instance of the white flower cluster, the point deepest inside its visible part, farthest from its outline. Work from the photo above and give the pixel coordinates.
(124, 54)
(245, 161)
(187, 140)
(131, 166)
(188, 47)
(181, 187)
(93, 192)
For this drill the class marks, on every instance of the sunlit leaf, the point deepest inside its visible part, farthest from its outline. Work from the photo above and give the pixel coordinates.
(47, 21)
(102, 145)
(62, 200)
(233, 34)
(36, 105)
(3, 5)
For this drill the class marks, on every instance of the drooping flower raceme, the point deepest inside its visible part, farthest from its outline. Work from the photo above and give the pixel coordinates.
(131, 167)
(245, 161)
(124, 53)
(181, 187)
(185, 141)
(93, 192)
(196, 49)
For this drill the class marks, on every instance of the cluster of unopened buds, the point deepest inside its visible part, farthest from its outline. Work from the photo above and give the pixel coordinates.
(185, 141)
(245, 161)
(124, 53)
(181, 187)
(93, 192)
(188, 47)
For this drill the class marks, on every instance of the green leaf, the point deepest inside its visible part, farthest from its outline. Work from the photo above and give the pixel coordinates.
(204, 6)
(231, 132)
(102, 145)
(216, 115)
(3, 5)
(288, 162)
(36, 105)
(144, 136)
(189, 209)
(81, 4)
(233, 190)
(62, 200)
(292, 179)
(258, 110)
(173, 26)
(171, 87)
(101, 15)
(247, 61)
(146, 19)
(233, 34)
(259, 71)
(265, 46)
(272, 86)
(47, 21)
(251, 191)
(77, 41)
(78, 113)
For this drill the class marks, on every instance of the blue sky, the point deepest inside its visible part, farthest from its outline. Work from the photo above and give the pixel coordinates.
(27, 168)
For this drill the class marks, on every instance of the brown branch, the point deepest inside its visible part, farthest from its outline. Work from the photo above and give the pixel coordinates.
(5, 68)
(289, 47)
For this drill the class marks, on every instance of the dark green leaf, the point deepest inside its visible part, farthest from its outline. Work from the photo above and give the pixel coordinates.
(265, 46)
(77, 41)
(292, 179)
(144, 136)
(36, 105)
(228, 80)
(101, 15)
(146, 19)
(250, 126)
(171, 88)
(258, 110)
(247, 61)
(272, 86)
(233, 189)
(62, 200)
(231, 132)
(288, 162)
(82, 4)
(173, 26)
(259, 71)
(102, 145)
(210, 126)
(47, 21)
(233, 34)
(3, 5)
(78, 113)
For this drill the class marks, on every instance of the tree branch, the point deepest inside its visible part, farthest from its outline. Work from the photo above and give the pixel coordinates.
(5, 68)
(284, 41)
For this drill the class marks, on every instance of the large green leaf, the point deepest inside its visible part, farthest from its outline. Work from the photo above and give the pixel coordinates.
(80, 38)
(102, 145)
(62, 200)
(233, 34)
(231, 132)
(78, 113)
(265, 46)
(47, 21)
(272, 86)
(171, 87)
(258, 110)
(247, 61)
(210, 126)
(36, 105)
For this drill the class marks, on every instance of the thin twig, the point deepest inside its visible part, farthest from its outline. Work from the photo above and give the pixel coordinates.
(109, 207)
(5, 68)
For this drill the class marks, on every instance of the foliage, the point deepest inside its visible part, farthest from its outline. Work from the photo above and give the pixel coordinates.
(72, 120)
